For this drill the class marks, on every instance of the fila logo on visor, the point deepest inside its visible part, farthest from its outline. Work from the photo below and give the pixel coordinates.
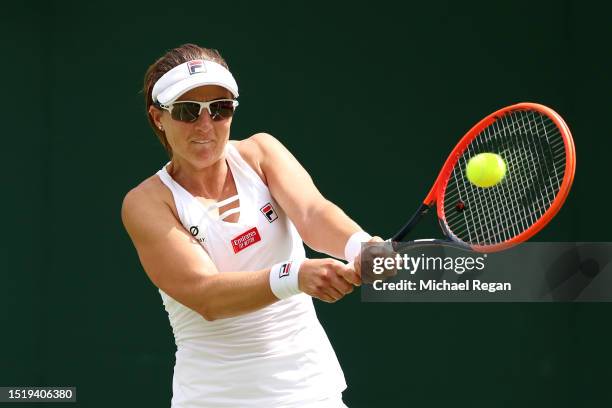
(268, 211)
(196, 67)
(284, 270)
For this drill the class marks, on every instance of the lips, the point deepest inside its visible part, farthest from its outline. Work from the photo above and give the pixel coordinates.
(201, 141)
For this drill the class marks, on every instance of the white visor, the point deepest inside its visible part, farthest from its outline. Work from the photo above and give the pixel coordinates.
(190, 75)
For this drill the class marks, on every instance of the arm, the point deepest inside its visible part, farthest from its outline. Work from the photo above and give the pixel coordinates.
(177, 264)
(301, 200)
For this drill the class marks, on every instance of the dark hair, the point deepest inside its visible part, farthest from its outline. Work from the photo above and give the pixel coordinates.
(171, 59)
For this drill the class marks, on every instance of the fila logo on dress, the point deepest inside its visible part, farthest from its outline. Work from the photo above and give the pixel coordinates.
(268, 211)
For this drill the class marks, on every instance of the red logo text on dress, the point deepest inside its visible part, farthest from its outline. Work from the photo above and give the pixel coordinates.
(268, 212)
(245, 239)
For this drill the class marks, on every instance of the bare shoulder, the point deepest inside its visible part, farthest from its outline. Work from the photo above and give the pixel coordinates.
(255, 149)
(150, 198)
(255, 146)
(151, 190)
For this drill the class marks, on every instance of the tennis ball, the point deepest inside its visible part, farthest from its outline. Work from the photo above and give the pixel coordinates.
(485, 169)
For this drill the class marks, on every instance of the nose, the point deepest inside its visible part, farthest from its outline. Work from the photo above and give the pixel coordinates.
(204, 122)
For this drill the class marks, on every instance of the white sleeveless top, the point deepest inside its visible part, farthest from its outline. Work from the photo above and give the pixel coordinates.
(278, 356)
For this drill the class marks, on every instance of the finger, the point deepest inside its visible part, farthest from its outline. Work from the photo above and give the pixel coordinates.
(333, 293)
(379, 250)
(341, 285)
(350, 272)
(325, 298)
(356, 272)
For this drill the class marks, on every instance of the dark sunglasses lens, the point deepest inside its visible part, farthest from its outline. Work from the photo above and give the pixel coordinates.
(186, 112)
(221, 110)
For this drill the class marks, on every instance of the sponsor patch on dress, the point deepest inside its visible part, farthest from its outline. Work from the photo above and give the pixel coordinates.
(245, 239)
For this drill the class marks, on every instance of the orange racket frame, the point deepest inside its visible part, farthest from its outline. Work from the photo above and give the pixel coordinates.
(436, 194)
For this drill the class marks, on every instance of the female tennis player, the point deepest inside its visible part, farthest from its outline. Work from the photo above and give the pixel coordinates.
(220, 231)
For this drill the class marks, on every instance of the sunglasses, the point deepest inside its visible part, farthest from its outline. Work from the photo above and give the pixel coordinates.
(190, 111)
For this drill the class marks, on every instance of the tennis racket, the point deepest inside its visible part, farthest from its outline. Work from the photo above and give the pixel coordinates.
(537, 147)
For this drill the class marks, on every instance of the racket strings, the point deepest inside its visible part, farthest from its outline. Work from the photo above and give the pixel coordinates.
(532, 147)
(509, 224)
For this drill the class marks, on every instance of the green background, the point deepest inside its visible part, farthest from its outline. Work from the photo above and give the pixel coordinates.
(371, 97)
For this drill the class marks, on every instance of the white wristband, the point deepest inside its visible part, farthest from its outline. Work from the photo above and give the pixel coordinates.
(284, 278)
(353, 245)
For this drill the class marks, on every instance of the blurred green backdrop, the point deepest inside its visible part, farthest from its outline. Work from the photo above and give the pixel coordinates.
(358, 91)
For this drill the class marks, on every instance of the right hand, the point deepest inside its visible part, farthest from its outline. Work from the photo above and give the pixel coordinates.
(364, 262)
(327, 279)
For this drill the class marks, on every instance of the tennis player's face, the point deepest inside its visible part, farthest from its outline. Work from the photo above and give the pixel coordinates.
(201, 142)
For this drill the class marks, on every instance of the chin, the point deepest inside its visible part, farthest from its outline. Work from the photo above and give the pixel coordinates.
(204, 156)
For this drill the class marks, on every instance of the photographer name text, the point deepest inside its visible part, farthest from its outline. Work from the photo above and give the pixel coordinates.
(442, 285)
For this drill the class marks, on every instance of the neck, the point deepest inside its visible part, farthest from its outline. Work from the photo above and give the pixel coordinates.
(205, 182)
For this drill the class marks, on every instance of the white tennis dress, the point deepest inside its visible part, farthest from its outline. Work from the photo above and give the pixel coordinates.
(278, 356)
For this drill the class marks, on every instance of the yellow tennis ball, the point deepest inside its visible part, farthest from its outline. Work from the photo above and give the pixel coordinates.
(485, 169)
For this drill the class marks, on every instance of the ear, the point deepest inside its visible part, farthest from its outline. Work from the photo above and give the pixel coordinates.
(156, 115)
